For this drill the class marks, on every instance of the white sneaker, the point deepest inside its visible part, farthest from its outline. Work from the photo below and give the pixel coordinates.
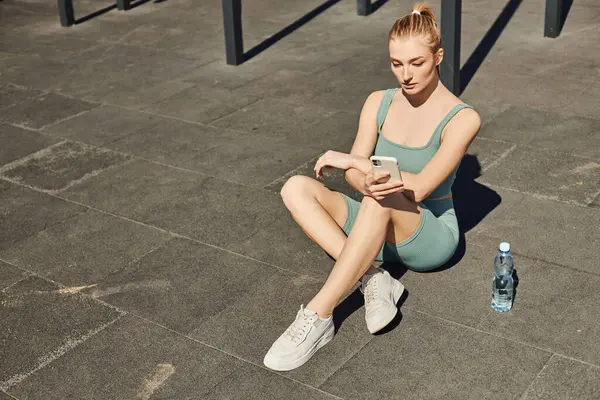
(307, 334)
(382, 292)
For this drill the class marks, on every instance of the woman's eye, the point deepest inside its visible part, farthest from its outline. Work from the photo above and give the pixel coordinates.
(396, 65)
(418, 65)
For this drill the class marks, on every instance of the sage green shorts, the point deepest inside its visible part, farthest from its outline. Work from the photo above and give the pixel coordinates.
(429, 247)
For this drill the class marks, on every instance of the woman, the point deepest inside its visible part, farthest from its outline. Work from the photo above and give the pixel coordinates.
(412, 220)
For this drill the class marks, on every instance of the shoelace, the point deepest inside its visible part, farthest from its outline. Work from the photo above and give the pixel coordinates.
(371, 289)
(299, 326)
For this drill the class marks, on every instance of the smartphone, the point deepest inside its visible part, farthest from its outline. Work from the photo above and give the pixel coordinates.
(389, 164)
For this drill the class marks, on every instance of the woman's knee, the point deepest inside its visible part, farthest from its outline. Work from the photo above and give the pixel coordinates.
(375, 206)
(296, 187)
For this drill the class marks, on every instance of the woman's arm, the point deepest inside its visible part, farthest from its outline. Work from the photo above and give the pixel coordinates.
(365, 141)
(457, 136)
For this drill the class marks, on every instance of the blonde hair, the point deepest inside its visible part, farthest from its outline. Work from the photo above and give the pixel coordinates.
(420, 22)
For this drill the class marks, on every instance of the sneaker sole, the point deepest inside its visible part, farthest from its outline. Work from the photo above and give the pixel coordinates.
(396, 293)
(302, 360)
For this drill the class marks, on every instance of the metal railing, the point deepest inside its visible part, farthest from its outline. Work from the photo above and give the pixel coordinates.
(451, 11)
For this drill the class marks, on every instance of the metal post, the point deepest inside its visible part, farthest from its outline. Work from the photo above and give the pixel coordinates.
(232, 24)
(552, 19)
(123, 5)
(450, 31)
(66, 13)
(363, 7)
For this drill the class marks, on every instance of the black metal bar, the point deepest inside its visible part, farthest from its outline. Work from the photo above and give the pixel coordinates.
(123, 5)
(450, 32)
(66, 13)
(363, 7)
(552, 20)
(232, 24)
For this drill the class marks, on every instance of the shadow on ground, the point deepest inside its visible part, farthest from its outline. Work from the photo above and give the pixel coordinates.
(110, 8)
(270, 41)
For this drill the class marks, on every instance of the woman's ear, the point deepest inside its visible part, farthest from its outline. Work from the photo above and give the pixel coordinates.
(439, 56)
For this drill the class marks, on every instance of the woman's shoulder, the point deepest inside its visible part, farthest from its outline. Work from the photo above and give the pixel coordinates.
(376, 96)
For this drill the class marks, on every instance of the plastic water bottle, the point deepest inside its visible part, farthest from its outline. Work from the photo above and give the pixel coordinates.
(503, 284)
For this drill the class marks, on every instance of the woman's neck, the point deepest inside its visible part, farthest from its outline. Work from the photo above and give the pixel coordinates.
(418, 99)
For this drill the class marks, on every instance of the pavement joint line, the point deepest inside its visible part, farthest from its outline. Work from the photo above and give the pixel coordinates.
(9, 395)
(574, 359)
(347, 360)
(62, 286)
(498, 336)
(69, 117)
(131, 159)
(233, 112)
(55, 191)
(17, 282)
(536, 259)
(173, 234)
(535, 195)
(594, 197)
(231, 354)
(292, 172)
(500, 158)
(68, 345)
(536, 376)
(28, 157)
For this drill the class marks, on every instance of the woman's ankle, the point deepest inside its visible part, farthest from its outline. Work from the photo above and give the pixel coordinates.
(371, 271)
(322, 313)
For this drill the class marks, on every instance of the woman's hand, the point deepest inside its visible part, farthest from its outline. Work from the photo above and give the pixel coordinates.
(333, 159)
(378, 185)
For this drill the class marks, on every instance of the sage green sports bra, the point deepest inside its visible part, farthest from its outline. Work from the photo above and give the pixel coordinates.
(413, 159)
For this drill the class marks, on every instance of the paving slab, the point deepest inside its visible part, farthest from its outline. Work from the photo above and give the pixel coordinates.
(18, 142)
(200, 105)
(45, 46)
(253, 160)
(274, 118)
(182, 284)
(132, 92)
(44, 109)
(549, 174)
(180, 201)
(285, 244)
(10, 275)
(577, 135)
(171, 141)
(565, 379)
(23, 70)
(85, 248)
(556, 308)
(466, 364)
(131, 359)
(543, 229)
(41, 323)
(253, 383)
(249, 326)
(60, 166)
(14, 94)
(24, 212)
(103, 125)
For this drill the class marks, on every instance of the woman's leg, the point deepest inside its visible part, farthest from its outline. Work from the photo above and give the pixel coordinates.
(393, 219)
(320, 213)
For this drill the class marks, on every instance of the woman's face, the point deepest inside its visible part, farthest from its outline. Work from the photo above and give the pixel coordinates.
(413, 63)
